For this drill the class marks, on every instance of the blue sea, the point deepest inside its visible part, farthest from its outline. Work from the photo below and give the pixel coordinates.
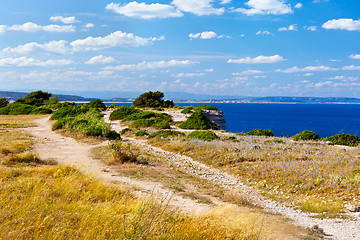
(289, 119)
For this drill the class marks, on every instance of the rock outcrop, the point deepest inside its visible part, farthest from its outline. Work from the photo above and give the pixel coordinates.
(217, 117)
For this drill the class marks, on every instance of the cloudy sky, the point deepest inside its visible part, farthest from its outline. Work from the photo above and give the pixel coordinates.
(220, 47)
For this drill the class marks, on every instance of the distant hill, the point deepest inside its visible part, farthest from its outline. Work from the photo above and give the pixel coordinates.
(300, 100)
(12, 96)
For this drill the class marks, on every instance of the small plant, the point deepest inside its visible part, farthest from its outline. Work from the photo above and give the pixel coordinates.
(166, 133)
(198, 120)
(206, 107)
(203, 135)
(306, 135)
(142, 133)
(121, 154)
(345, 139)
(260, 132)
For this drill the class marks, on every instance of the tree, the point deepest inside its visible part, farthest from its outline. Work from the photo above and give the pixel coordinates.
(35, 98)
(97, 104)
(152, 99)
(3, 102)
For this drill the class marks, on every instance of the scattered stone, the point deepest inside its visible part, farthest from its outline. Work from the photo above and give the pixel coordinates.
(329, 143)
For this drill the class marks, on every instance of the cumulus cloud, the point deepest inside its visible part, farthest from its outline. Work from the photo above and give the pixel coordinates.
(265, 7)
(355, 56)
(115, 39)
(259, 59)
(198, 7)
(145, 11)
(89, 25)
(66, 20)
(344, 78)
(311, 28)
(351, 68)
(247, 72)
(33, 27)
(307, 69)
(343, 24)
(180, 75)
(263, 33)
(100, 59)
(203, 35)
(290, 28)
(27, 62)
(151, 65)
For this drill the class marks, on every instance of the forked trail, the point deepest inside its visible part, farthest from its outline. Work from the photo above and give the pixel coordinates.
(51, 145)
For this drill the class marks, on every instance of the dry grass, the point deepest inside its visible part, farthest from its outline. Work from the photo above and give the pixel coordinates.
(312, 176)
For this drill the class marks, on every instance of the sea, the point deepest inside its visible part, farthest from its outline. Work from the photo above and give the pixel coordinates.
(288, 119)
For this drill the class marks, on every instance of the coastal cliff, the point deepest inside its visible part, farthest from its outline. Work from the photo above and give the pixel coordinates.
(217, 117)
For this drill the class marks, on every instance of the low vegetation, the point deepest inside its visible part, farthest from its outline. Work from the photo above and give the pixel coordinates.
(260, 132)
(306, 135)
(345, 139)
(197, 121)
(152, 100)
(166, 133)
(202, 135)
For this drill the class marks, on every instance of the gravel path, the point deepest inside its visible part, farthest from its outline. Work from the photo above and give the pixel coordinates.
(342, 229)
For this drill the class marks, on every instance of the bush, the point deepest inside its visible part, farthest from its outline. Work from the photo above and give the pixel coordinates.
(125, 131)
(141, 133)
(260, 132)
(151, 122)
(122, 112)
(41, 110)
(345, 139)
(166, 133)
(16, 109)
(63, 123)
(113, 135)
(121, 154)
(187, 110)
(71, 111)
(203, 135)
(37, 98)
(198, 120)
(97, 104)
(3, 102)
(306, 135)
(206, 107)
(152, 100)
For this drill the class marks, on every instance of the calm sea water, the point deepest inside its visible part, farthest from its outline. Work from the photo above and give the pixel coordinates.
(289, 119)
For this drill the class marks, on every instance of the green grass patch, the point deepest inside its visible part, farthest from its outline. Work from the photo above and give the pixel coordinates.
(203, 135)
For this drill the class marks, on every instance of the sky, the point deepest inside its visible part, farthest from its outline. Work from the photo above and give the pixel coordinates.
(218, 47)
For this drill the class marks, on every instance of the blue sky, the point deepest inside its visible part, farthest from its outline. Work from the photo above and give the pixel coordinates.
(224, 47)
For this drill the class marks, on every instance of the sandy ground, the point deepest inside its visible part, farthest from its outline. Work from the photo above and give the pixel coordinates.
(50, 145)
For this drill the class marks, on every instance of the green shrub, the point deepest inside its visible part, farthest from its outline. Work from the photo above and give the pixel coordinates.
(16, 109)
(122, 154)
(36, 98)
(70, 111)
(97, 104)
(187, 110)
(166, 133)
(41, 110)
(122, 112)
(113, 135)
(306, 135)
(63, 123)
(206, 107)
(158, 123)
(152, 100)
(203, 135)
(126, 130)
(3, 102)
(198, 120)
(141, 133)
(260, 132)
(345, 139)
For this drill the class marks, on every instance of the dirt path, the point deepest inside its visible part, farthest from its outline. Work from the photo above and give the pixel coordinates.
(66, 150)
(343, 229)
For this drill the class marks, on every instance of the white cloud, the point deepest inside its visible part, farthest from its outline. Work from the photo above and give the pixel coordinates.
(145, 11)
(263, 33)
(198, 7)
(225, 1)
(307, 69)
(290, 28)
(26, 62)
(259, 59)
(33, 27)
(89, 25)
(151, 65)
(204, 35)
(265, 7)
(209, 70)
(248, 72)
(115, 39)
(355, 56)
(180, 75)
(308, 74)
(351, 68)
(343, 24)
(66, 20)
(319, 1)
(311, 28)
(344, 78)
(298, 5)
(100, 59)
